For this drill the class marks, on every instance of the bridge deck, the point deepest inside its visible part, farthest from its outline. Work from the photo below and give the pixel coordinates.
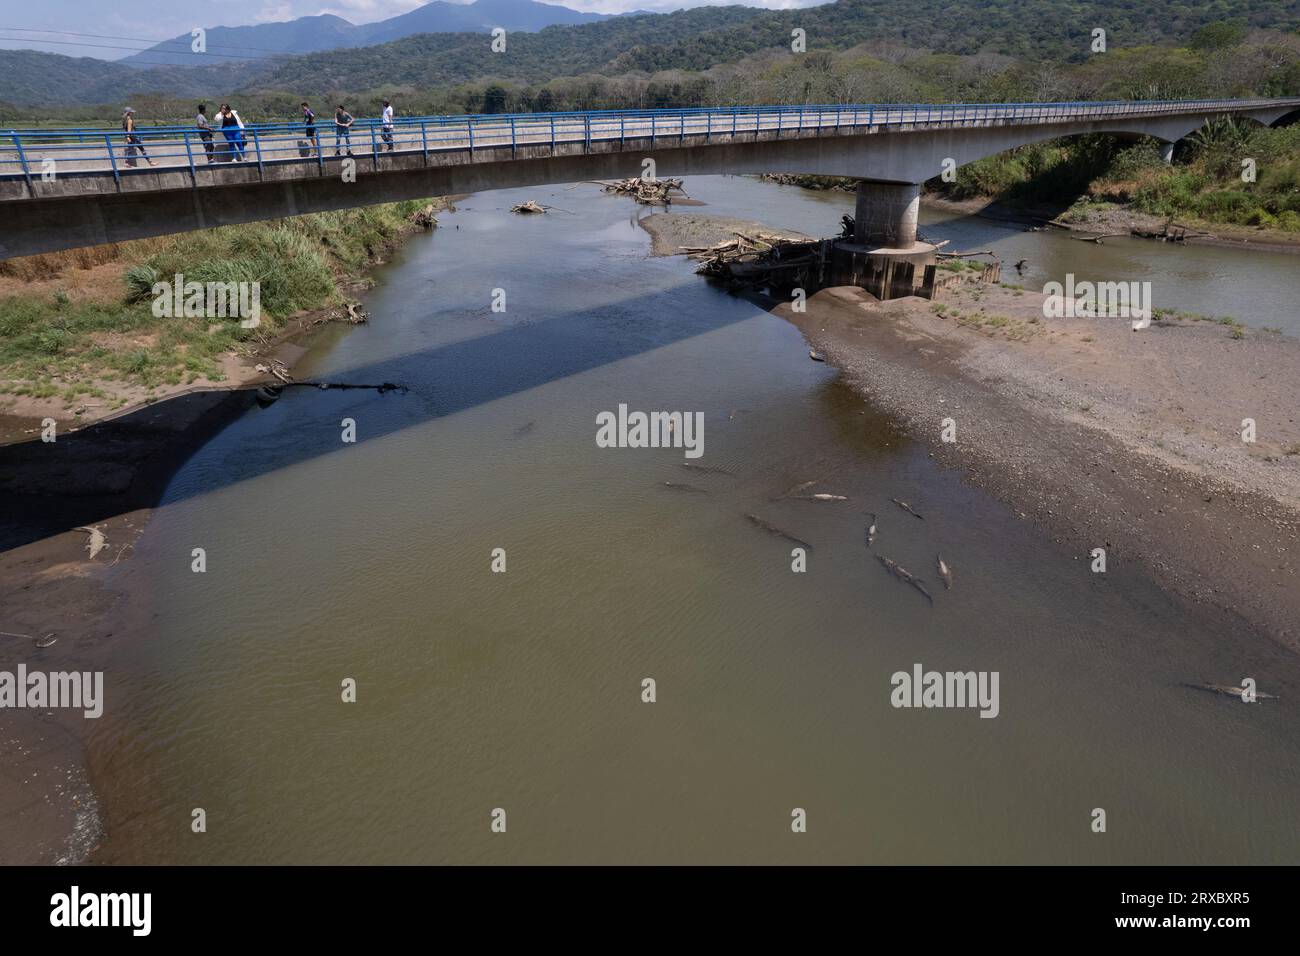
(38, 154)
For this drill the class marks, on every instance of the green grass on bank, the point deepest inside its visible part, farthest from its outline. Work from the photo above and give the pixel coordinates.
(61, 344)
(1204, 181)
(1210, 186)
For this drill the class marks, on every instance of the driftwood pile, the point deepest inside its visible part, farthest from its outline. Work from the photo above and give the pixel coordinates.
(1171, 232)
(425, 217)
(648, 192)
(353, 316)
(754, 256)
(528, 206)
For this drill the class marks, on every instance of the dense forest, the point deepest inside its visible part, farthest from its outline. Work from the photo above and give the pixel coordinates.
(857, 50)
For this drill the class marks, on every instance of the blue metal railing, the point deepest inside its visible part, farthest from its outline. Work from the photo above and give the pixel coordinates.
(84, 151)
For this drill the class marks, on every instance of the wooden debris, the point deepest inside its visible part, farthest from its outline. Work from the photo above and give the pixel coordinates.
(279, 370)
(356, 316)
(425, 217)
(648, 192)
(1098, 239)
(528, 206)
(276, 368)
(756, 257)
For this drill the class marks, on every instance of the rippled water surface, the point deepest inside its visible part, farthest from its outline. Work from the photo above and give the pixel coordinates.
(522, 690)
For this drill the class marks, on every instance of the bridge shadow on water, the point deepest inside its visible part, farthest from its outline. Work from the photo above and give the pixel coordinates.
(118, 466)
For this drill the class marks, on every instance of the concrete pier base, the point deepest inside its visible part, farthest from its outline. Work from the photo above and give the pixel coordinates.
(885, 257)
(885, 273)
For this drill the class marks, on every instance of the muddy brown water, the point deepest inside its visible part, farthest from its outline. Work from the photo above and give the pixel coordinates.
(522, 690)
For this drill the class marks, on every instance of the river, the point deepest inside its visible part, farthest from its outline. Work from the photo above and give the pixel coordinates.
(522, 690)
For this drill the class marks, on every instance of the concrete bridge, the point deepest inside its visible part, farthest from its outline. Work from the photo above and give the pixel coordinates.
(62, 189)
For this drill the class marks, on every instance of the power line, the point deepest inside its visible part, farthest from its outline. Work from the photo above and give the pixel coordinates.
(103, 36)
(133, 49)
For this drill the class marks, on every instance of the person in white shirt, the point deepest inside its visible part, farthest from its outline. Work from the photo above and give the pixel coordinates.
(387, 129)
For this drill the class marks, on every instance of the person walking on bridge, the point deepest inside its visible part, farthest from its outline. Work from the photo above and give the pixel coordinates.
(343, 121)
(309, 129)
(133, 141)
(386, 131)
(232, 127)
(205, 133)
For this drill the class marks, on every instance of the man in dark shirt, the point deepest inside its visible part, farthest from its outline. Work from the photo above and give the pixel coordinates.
(205, 133)
(342, 129)
(309, 128)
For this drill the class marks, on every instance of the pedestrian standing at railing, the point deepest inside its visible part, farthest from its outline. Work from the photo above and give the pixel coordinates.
(387, 130)
(343, 121)
(133, 141)
(232, 127)
(205, 133)
(309, 128)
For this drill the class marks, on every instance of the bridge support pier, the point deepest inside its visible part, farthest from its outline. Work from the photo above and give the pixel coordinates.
(1167, 152)
(887, 214)
(884, 257)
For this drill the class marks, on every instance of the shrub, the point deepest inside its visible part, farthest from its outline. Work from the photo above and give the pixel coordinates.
(140, 281)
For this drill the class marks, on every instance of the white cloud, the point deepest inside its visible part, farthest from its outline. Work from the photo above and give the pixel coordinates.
(366, 11)
(274, 13)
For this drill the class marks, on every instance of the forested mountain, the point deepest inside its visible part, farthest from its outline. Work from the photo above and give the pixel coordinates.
(32, 78)
(328, 32)
(304, 35)
(1042, 30)
(857, 50)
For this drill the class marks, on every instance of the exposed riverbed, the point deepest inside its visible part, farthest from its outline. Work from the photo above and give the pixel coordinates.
(371, 560)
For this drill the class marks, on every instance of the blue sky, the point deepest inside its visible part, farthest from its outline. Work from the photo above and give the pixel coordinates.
(162, 19)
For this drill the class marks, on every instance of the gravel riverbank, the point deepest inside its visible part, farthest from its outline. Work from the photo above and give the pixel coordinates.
(1107, 437)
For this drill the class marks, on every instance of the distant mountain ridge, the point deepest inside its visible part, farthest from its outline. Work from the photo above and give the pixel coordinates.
(687, 41)
(328, 32)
